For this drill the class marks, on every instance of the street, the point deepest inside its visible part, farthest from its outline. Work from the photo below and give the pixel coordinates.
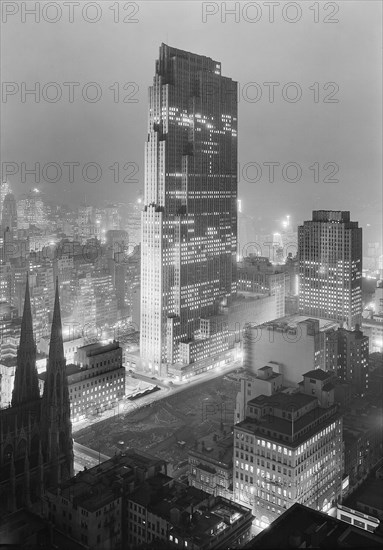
(86, 457)
(168, 422)
(126, 406)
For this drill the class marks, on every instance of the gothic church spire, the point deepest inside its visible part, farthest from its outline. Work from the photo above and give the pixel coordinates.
(26, 386)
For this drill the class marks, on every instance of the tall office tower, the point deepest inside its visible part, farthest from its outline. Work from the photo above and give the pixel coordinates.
(112, 217)
(133, 224)
(31, 210)
(378, 298)
(330, 267)
(85, 221)
(6, 282)
(189, 222)
(9, 227)
(288, 449)
(353, 358)
(9, 214)
(5, 189)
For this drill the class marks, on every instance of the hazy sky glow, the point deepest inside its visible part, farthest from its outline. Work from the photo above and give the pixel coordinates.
(347, 133)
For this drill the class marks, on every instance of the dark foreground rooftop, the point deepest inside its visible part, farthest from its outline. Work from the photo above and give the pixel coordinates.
(301, 527)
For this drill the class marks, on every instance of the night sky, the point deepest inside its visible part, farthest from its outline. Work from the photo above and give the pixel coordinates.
(348, 133)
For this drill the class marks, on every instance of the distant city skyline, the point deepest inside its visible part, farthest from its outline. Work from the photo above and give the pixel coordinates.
(191, 274)
(347, 133)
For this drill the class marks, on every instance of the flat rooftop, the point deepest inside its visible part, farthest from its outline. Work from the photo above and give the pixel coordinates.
(176, 502)
(273, 427)
(302, 527)
(95, 487)
(211, 522)
(292, 401)
(70, 369)
(161, 493)
(318, 374)
(291, 321)
(97, 348)
(20, 530)
(370, 493)
(219, 450)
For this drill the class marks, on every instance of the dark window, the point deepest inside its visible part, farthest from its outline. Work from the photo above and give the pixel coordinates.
(359, 523)
(345, 518)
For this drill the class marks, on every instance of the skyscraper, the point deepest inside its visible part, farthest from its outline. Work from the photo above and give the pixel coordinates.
(9, 214)
(353, 358)
(32, 210)
(330, 267)
(9, 227)
(5, 189)
(189, 222)
(289, 449)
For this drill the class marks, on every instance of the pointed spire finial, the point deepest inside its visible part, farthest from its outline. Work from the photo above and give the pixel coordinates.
(56, 347)
(56, 402)
(26, 323)
(26, 385)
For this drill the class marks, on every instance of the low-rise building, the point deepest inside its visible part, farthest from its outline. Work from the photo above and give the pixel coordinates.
(185, 517)
(369, 498)
(24, 529)
(363, 446)
(376, 374)
(259, 275)
(90, 507)
(211, 465)
(354, 517)
(7, 376)
(373, 328)
(302, 527)
(213, 338)
(96, 382)
(295, 343)
(251, 307)
(7, 379)
(71, 345)
(364, 506)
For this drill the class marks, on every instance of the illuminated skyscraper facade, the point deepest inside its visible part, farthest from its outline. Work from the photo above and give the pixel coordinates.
(330, 267)
(289, 449)
(189, 222)
(31, 210)
(9, 214)
(5, 189)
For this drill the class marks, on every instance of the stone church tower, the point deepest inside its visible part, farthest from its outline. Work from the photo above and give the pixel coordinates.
(57, 427)
(36, 446)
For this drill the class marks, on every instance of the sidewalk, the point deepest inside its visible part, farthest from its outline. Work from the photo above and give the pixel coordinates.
(126, 406)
